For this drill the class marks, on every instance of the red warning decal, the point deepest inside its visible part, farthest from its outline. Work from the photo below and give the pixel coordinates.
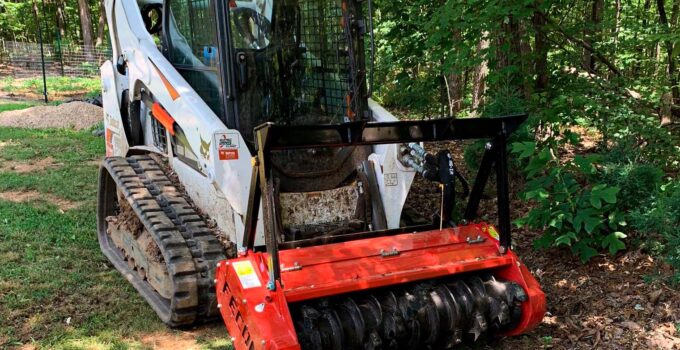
(227, 146)
(109, 142)
(228, 154)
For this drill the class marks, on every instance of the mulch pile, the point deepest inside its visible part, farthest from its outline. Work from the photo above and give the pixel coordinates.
(76, 115)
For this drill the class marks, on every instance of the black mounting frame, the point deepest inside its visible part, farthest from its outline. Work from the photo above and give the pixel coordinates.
(272, 137)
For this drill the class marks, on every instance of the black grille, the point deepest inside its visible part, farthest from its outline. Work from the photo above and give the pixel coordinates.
(327, 58)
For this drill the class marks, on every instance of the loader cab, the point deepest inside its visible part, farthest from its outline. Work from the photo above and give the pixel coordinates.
(292, 62)
(297, 62)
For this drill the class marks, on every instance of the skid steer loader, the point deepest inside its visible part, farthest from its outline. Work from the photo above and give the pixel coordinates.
(248, 175)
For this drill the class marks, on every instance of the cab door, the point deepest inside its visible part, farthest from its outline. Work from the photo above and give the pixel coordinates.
(193, 46)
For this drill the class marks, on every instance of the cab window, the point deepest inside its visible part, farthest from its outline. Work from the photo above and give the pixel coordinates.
(192, 48)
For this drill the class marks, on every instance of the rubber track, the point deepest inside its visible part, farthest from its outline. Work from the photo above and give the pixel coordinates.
(190, 250)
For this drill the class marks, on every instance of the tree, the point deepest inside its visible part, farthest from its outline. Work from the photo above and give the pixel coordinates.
(540, 48)
(455, 86)
(479, 76)
(61, 18)
(592, 34)
(101, 25)
(669, 44)
(85, 23)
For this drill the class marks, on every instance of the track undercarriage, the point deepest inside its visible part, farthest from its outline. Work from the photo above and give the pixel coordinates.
(155, 238)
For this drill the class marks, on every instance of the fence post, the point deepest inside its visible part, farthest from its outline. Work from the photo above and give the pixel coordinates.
(42, 51)
(61, 53)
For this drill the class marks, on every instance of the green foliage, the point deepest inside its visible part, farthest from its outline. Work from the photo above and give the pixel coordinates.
(89, 68)
(572, 208)
(506, 101)
(7, 84)
(638, 182)
(18, 20)
(660, 218)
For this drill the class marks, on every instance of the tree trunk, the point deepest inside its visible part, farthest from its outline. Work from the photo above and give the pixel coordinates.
(617, 26)
(479, 75)
(672, 74)
(454, 88)
(101, 25)
(61, 20)
(455, 82)
(640, 50)
(541, 50)
(524, 60)
(675, 11)
(508, 53)
(86, 26)
(593, 32)
(37, 22)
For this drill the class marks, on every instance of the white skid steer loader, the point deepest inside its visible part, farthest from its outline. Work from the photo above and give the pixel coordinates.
(248, 175)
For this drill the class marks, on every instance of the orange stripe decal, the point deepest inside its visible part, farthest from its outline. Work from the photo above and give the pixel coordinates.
(173, 92)
(163, 117)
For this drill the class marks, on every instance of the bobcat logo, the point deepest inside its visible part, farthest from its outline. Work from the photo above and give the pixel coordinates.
(205, 148)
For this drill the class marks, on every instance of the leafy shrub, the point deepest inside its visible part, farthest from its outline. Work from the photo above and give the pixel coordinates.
(504, 101)
(8, 84)
(638, 182)
(572, 208)
(661, 219)
(472, 154)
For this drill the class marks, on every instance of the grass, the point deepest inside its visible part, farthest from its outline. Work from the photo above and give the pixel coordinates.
(13, 106)
(57, 291)
(56, 86)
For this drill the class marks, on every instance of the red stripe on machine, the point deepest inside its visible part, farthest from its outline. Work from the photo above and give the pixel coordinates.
(163, 117)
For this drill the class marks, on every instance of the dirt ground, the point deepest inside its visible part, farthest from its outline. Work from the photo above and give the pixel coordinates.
(610, 303)
(30, 196)
(77, 115)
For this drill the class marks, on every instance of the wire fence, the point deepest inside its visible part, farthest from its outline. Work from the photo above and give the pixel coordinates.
(23, 60)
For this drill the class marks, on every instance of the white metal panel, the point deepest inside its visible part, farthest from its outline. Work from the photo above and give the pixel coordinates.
(116, 141)
(394, 179)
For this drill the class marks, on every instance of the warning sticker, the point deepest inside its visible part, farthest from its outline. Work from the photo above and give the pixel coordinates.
(228, 154)
(391, 179)
(227, 146)
(246, 274)
(493, 233)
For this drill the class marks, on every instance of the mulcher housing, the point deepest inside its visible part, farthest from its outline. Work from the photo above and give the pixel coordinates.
(259, 292)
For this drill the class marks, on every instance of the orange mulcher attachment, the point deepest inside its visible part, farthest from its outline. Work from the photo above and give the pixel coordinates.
(394, 289)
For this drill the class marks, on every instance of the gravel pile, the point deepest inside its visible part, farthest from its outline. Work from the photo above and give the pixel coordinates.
(76, 115)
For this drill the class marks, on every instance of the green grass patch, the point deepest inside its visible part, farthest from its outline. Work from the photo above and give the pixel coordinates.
(75, 152)
(61, 84)
(57, 291)
(13, 106)
(55, 85)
